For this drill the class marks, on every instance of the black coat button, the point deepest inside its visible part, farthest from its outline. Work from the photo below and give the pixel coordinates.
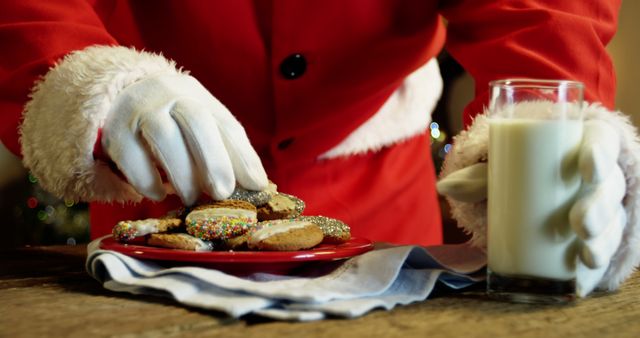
(284, 144)
(293, 66)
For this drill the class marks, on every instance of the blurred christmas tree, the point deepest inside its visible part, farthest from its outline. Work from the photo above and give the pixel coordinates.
(39, 218)
(440, 145)
(441, 129)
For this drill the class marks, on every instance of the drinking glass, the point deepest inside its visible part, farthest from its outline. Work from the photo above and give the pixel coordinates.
(535, 130)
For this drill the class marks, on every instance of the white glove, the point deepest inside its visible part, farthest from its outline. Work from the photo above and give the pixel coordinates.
(598, 217)
(173, 122)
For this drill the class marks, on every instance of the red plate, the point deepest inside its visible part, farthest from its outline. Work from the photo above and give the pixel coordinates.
(242, 262)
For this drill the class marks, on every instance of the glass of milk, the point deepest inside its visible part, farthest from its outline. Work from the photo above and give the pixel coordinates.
(535, 129)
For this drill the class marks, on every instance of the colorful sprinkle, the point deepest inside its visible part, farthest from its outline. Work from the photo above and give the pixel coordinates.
(124, 231)
(220, 227)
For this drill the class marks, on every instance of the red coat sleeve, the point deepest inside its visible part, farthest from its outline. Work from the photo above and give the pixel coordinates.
(497, 39)
(33, 35)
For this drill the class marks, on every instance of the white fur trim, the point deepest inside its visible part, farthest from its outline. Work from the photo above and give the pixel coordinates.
(405, 114)
(471, 146)
(67, 107)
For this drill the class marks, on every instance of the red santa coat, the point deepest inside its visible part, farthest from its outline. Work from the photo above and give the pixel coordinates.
(355, 55)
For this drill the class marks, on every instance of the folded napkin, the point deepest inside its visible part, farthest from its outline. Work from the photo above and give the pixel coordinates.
(382, 278)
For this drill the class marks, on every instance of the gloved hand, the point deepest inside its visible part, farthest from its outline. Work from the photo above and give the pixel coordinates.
(598, 217)
(173, 122)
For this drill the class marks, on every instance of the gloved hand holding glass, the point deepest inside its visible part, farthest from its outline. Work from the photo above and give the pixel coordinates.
(554, 188)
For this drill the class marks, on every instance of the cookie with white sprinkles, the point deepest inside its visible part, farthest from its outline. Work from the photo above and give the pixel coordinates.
(335, 231)
(284, 235)
(256, 198)
(125, 231)
(221, 220)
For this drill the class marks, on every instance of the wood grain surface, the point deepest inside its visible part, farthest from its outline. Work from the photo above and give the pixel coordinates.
(44, 292)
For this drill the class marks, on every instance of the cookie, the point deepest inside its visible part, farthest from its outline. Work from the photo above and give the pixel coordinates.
(284, 235)
(281, 206)
(256, 198)
(180, 241)
(221, 220)
(236, 243)
(334, 230)
(127, 230)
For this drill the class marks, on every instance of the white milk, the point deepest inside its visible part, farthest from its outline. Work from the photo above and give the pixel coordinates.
(533, 181)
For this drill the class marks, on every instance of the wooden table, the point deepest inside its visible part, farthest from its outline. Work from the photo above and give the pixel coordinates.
(44, 291)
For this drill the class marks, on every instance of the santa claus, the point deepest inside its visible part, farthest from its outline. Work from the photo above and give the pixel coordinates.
(140, 107)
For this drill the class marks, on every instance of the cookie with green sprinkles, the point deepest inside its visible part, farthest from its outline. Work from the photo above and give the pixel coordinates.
(221, 220)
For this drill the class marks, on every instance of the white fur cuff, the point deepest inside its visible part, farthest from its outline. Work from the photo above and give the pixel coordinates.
(67, 108)
(405, 114)
(471, 146)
